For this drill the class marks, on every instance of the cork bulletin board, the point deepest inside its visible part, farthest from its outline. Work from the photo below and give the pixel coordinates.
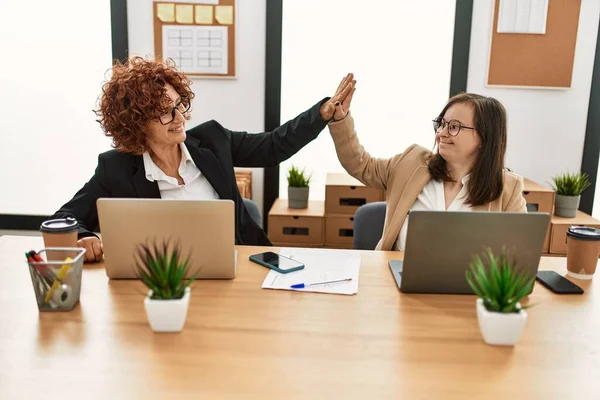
(536, 60)
(198, 35)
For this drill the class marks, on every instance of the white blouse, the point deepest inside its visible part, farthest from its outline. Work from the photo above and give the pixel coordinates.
(195, 185)
(432, 198)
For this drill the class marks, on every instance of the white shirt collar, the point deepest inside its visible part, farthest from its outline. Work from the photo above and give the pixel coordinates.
(465, 179)
(153, 173)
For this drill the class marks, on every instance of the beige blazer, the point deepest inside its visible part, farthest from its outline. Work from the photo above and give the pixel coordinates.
(403, 177)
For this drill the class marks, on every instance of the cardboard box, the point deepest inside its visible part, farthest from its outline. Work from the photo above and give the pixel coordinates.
(300, 227)
(339, 232)
(538, 197)
(559, 226)
(344, 194)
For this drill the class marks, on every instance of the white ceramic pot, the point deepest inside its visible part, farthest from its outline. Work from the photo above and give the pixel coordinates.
(167, 315)
(499, 328)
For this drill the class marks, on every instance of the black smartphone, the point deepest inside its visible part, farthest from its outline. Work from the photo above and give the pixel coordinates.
(557, 283)
(276, 262)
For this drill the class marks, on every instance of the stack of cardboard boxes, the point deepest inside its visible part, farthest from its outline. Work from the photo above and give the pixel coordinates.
(330, 223)
(324, 223)
(343, 196)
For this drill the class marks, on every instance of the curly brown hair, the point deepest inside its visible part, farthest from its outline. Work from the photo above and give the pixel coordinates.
(134, 95)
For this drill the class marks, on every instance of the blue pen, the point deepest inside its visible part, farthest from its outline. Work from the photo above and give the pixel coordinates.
(303, 285)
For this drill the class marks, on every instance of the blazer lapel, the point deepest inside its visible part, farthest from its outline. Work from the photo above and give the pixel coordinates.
(211, 168)
(409, 195)
(143, 187)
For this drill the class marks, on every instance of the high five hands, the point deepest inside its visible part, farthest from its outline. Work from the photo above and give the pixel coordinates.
(338, 106)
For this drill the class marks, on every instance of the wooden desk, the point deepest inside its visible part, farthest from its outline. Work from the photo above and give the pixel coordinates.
(244, 342)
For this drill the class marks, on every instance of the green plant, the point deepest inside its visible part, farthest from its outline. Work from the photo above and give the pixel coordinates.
(571, 184)
(163, 270)
(296, 178)
(499, 284)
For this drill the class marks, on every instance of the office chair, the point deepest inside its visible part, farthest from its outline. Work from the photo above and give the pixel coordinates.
(253, 210)
(368, 225)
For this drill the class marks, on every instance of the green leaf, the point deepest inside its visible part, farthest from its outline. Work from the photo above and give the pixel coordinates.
(161, 269)
(498, 284)
(571, 184)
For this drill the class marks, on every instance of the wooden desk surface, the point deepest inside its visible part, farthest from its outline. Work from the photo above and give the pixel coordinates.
(244, 342)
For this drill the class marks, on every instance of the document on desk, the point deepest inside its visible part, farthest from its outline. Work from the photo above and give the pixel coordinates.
(319, 266)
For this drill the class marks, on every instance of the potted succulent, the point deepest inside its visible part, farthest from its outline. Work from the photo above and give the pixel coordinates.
(500, 288)
(298, 187)
(568, 189)
(163, 271)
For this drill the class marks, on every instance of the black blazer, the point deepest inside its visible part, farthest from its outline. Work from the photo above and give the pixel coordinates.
(215, 150)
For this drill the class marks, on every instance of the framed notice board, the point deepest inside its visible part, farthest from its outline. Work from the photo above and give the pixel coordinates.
(536, 60)
(198, 35)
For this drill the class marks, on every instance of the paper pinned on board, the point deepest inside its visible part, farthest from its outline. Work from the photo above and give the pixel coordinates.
(319, 266)
(165, 12)
(224, 15)
(204, 14)
(184, 13)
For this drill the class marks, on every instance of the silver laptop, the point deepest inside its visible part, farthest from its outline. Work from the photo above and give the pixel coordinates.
(440, 245)
(205, 230)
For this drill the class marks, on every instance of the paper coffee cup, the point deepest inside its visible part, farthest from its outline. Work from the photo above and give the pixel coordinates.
(583, 250)
(61, 232)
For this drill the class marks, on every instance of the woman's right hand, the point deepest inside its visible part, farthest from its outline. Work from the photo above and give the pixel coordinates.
(93, 248)
(343, 106)
(338, 105)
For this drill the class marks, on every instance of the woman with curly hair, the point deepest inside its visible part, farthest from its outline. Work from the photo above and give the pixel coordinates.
(143, 108)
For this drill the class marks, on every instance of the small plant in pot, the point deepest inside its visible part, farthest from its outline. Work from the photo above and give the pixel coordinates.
(500, 288)
(162, 269)
(298, 187)
(568, 189)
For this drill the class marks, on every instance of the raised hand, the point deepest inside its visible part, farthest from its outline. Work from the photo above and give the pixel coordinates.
(338, 106)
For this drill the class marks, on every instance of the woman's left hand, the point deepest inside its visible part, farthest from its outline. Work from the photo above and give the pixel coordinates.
(339, 105)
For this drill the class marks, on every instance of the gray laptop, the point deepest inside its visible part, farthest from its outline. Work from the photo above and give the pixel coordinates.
(205, 230)
(440, 245)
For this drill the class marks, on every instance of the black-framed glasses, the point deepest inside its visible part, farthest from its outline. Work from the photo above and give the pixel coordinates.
(183, 107)
(454, 126)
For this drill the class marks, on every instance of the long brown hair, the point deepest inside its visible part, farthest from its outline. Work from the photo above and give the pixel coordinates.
(486, 180)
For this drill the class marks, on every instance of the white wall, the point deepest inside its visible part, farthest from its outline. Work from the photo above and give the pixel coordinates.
(50, 79)
(546, 128)
(400, 52)
(237, 104)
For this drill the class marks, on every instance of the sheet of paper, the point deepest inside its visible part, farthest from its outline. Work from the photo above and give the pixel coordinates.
(522, 16)
(184, 13)
(197, 49)
(319, 266)
(204, 14)
(166, 12)
(224, 14)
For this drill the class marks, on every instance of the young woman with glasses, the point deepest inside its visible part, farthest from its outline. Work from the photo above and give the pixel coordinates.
(464, 173)
(143, 109)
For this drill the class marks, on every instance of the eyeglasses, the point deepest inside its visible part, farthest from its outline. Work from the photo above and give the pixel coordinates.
(454, 126)
(183, 107)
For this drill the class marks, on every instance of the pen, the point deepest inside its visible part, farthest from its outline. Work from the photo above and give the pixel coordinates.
(303, 285)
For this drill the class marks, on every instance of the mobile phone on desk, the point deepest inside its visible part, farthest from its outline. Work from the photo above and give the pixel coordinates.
(557, 283)
(276, 262)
